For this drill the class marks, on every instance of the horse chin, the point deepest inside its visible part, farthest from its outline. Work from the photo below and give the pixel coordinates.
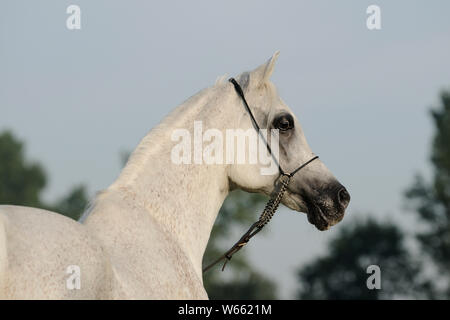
(317, 218)
(315, 215)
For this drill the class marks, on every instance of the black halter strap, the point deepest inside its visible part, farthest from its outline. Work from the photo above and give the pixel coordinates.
(281, 185)
(240, 92)
(255, 123)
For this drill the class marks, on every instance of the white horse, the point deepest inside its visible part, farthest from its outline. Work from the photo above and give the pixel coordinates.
(144, 236)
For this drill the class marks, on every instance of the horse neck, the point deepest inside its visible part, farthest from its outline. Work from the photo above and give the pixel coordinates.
(183, 199)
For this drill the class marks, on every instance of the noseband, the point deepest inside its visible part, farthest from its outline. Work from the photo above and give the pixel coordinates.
(281, 185)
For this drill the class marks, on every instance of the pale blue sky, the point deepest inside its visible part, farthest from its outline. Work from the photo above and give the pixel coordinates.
(80, 97)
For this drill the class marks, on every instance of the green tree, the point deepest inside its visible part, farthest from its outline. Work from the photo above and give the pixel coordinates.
(238, 212)
(74, 204)
(341, 273)
(431, 200)
(22, 181)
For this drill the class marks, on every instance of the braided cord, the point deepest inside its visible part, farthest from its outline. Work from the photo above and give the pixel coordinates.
(274, 201)
(267, 214)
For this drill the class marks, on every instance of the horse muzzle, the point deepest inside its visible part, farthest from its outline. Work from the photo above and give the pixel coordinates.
(327, 208)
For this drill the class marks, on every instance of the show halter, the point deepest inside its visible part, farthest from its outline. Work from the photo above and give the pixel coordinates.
(281, 185)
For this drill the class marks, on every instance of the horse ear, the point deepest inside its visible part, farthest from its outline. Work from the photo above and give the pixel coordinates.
(261, 75)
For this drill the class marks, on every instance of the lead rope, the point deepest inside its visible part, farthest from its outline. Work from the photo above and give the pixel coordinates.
(273, 203)
(266, 215)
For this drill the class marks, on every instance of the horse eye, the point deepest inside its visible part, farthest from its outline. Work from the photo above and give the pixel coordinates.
(284, 122)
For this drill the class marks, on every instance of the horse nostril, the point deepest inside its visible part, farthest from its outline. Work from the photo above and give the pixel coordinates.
(343, 197)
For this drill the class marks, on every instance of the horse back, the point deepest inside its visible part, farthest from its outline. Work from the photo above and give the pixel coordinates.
(44, 255)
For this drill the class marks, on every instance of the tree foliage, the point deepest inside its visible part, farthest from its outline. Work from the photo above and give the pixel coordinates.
(22, 182)
(73, 204)
(341, 273)
(431, 200)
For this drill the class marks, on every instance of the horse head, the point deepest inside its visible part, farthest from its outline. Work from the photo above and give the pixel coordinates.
(313, 190)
